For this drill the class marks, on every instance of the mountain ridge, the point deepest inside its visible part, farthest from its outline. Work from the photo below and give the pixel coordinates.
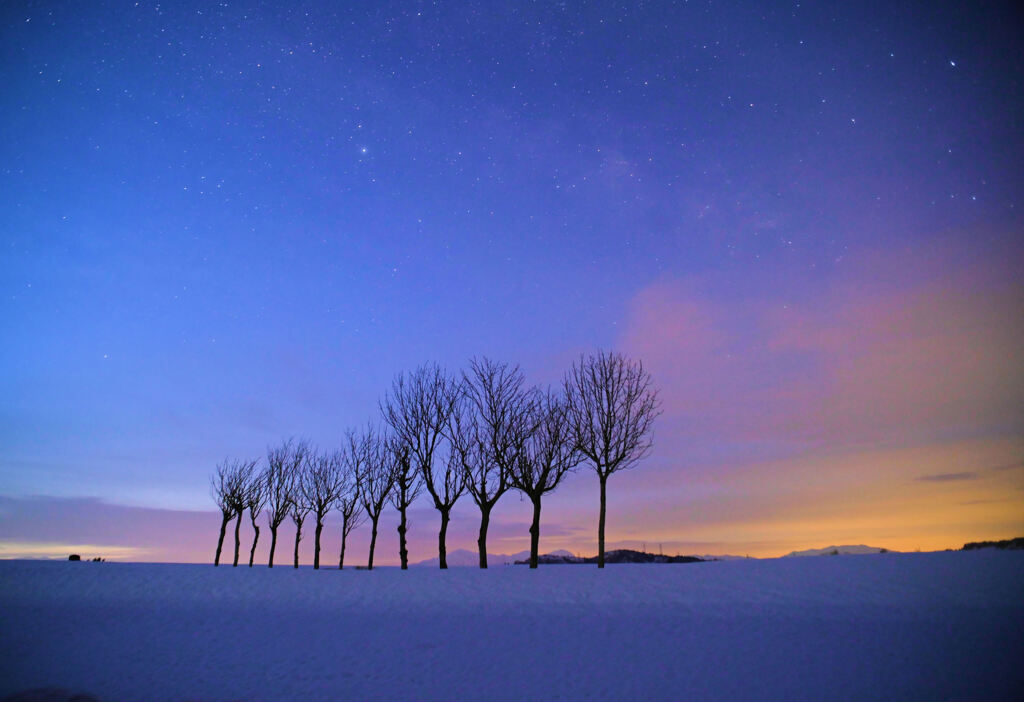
(847, 550)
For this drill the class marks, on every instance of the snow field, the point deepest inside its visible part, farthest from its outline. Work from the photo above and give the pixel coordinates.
(892, 626)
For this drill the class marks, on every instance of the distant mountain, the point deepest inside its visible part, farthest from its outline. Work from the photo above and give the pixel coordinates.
(1011, 544)
(622, 555)
(464, 558)
(858, 550)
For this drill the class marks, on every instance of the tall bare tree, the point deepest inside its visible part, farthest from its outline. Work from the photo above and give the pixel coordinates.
(348, 503)
(487, 430)
(227, 487)
(283, 465)
(299, 508)
(612, 406)
(418, 408)
(321, 486)
(548, 455)
(408, 486)
(375, 472)
(255, 499)
(238, 501)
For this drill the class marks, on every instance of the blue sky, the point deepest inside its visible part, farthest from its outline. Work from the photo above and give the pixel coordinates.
(227, 225)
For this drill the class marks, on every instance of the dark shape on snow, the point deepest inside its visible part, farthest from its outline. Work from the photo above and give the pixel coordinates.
(622, 555)
(74, 557)
(1008, 544)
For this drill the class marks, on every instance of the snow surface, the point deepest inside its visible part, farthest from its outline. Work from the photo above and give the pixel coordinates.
(893, 626)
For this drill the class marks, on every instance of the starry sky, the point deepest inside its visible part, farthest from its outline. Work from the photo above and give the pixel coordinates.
(227, 224)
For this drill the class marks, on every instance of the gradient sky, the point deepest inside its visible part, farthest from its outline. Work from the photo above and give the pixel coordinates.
(226, 225)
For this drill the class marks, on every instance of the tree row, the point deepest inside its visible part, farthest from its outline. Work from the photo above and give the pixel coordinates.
(481, 433)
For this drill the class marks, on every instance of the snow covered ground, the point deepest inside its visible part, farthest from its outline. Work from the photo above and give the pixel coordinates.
(892, 626)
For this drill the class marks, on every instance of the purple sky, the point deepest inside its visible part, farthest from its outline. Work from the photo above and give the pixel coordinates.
(226, 226)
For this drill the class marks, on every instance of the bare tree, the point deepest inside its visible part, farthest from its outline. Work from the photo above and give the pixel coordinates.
(486, 431)
(321, 486)
(283, 464)
(418, 409)
(548, 455)
(299, 508)
(227, 487)
(612, 406)
(348, 504)
(374, 471)
(408, 486)
(238, 501)
(255, 499)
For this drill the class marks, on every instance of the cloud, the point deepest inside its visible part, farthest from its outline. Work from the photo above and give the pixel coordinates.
(894, 349)
(947, 477)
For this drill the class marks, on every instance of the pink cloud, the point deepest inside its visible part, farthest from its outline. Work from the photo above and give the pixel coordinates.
(895, 348)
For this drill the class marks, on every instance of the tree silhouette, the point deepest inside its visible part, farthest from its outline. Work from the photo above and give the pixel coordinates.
(348, 504)
(486, 430)
(408, 486)
(228, 487)
(283, 464)
(375, 472)
(238, 505)
(611, 408)
(548, 455)
(298, 510)
(255, 498)
(321, 486)
(418, 408)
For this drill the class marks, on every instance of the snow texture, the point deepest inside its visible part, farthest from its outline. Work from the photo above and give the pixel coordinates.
(892, 626)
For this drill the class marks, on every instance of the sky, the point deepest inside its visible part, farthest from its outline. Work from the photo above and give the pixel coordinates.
(225, 225)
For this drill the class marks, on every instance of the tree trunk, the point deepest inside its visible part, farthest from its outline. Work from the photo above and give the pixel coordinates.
(600, 524)
(220, 540)
(316, 542)
(273, 545)
(403, 551)
(344, 535)
(535, 531)
(481, 541)
(255, 540)
(373, 543)
(238, 540)
(442, 551)
(298, 538)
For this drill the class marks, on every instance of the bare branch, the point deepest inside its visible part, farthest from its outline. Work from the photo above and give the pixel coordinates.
(612, 407)
(374, 470)
(418, 409)
(284, 465)
(229, 487)
(548, 452)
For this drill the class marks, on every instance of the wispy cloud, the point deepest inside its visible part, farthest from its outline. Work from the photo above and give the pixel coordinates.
(947, 477)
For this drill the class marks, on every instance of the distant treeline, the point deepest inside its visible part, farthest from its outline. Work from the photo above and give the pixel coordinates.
(482, 432)
(623, 555)
(1013, 544)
